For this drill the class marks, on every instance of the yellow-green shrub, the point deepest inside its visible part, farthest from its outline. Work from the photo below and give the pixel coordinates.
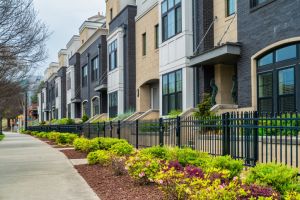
(122, 149)
(100, 157)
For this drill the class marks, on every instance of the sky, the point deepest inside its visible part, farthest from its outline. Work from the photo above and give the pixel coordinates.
(63, 18)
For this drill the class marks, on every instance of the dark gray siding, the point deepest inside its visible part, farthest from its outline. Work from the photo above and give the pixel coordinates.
(62, 74)
(259, 28)
(126, 19)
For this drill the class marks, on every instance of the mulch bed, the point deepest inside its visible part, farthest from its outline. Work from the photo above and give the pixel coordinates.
(110, 187)
(73, 154)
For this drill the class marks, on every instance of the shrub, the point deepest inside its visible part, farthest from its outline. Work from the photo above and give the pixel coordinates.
(107, 143)
(174, 113)
(143, 168)
(204, 107)
(84, 118)
(1, 136)
(187, 156)
(292, 196)
(235, 167)
(53, 136)
(118, 165)
(86, 145)
(277, 176)
(156, 152)
(122, 149)
(66, 138)
(100, 157)
(259, 192)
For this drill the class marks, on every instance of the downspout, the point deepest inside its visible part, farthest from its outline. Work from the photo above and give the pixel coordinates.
(99, 75)
(88, 85)
(125, 81)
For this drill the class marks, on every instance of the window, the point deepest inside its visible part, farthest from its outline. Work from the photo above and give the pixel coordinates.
(84, 76)
(111, 14)
(95, 69)
(230, 4)
(69, 111)
(113, 104)
(286, 89)
(144, 38)
(156, 36)
(265, 92)
(96, 106)
(112, 52)
(68, 81)
(276, 79)
(255, 3)
(172, 91)
(84, 108)
(56, 90)
(171, 18)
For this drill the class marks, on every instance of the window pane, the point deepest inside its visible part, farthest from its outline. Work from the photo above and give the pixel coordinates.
(179, 101)
(165, 105)
(170, 4)
(165, 27)
(286, 53)
(178, 20)
(230, 7)
(177, 1)
(267, 59)
(165, 84)
(286, 81)
(178, 81)
(171, 23)
(287, 103)
(172, 83)
(266, 105)
(164, 7)
(172, 103)
(265, 85)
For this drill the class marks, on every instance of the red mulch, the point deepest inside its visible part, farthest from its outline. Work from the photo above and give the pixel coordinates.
(110, 187)
(73, 154)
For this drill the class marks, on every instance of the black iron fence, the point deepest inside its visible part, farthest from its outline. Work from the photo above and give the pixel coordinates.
(251, 136)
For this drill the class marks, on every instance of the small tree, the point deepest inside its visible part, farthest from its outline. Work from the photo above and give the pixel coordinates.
(204, 107)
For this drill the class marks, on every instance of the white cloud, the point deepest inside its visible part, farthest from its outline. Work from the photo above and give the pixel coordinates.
(64, 18)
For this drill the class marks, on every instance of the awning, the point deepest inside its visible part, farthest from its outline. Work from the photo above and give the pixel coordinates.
(225, 54)
(100, 88)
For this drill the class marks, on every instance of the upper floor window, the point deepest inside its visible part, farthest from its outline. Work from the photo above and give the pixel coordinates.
(230, 5)
(111, 14)
(112, 55)
(113, 104)
(171, 18)
(144, 38)
(95, 69)
(156, 28)
(255, 3)
(68, 81)
(84, 76)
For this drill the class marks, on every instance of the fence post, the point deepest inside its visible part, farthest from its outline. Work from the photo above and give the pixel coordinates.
(178, 133)
(161, 132)
(137, 134)
(226, 134)
(98, 129)
(104, 128)
(255, 136)
(89, 130)
(111, 129)
(119, 129)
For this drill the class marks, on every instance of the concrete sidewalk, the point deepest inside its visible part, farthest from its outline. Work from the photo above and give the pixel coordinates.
(32, 170)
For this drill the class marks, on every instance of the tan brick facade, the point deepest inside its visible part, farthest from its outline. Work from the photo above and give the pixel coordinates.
(147, 66)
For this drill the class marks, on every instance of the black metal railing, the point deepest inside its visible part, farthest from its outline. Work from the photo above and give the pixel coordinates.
(251, 136)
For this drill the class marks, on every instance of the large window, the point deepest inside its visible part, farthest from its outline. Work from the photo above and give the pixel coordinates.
(113, 104)
(95, 69)
(84, 76)
(230, 5)
(171, 18)
(112, 52)
(276, 79)
(84, 108)
(172, 91)
(96, 106)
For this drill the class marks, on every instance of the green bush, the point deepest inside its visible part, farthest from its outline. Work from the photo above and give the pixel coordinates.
(66, 138)
(122, 149)
(187, 156)
(235, 167)
(107, 143)
(1, 136)
(143, 167)
(204, 107)
(156, 152)
(64, 121)
(53, 136)
(84, 118)
(81, 144)
(100, 157)
(280, 177)
(174, 113)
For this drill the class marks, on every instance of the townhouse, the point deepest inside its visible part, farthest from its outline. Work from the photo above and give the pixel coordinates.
(156, 56)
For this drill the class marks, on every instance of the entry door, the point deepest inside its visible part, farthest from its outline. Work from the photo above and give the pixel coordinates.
(154, 98)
